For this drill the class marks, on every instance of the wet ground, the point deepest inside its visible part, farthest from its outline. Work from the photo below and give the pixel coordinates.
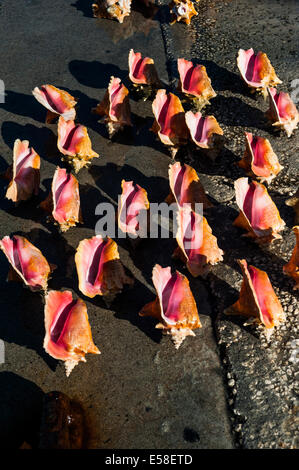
(225, 388)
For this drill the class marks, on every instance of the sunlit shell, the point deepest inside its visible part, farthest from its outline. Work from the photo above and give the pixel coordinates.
(58, 102)
(292, 267)
(282, 111)
(74, 143)
(68, 333)
(112, 9)
(64, 201)
(259, 159)
(195, 83)
(256, 70)
(133, 206)
(115, 106)
(174, 307)
(142, 71)
(99, 268)
(198, 248)
(186, 187)
(294, 202)
(182, 10)
(169, 122)
(26, 177)
(27, 261)
(257, 299)
(258, 213)
(203, 129)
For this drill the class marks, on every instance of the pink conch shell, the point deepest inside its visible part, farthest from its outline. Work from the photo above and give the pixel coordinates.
(282, 111)
(27, 261)
(115, 106)
(257, 299)
(169, 122)
(294, 202)
(202, 129)
(258, 213)
(99, 268)
(256, 70)
(64, 202)
(198, 248)
(133, 200)
(292, 267)
(186, 187)
(112, 9)
(68, 333)
(195, 83)
(174, 306)
(75, 144)
(57, 102)
(142, 71)
(259, 159)
(182, 10)
(26, 176)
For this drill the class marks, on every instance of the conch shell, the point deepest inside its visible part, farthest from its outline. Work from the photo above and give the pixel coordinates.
(256, 70)
(257, 300)
(74, 143)
(198, 248)
(112, 9)
(203, 129)
(99, 268)
(133, 201)
(282, 111)
(142, 71)
(169, 121)
(182, 10)
(64, 201)
(186, 187)
(174, 307)
(294, 202)
(27, 261)
(58, 102)
(259, 159)
(292, 267)
(258, 213)
(115, 106)
(68, 333)
(26, 176)
(195, 83)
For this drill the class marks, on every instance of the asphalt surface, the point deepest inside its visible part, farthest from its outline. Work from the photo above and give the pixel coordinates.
(225, 388)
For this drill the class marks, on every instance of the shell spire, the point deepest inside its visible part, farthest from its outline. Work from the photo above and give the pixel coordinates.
(112, 9)
(182, 10)
(174, 306)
